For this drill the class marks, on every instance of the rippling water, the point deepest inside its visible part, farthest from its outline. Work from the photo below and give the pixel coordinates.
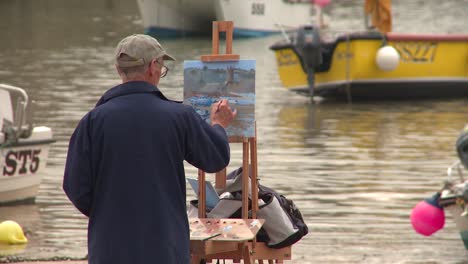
(355, 171)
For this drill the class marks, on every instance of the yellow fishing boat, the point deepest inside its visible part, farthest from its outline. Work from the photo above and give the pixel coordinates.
(376, 63)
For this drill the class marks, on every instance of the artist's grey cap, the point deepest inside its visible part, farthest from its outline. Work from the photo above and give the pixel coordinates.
(140, 50)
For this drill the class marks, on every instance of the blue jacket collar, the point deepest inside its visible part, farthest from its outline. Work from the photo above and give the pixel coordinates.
(133, 87)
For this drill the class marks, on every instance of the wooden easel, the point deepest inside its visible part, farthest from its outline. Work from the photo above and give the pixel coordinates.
(242, 245)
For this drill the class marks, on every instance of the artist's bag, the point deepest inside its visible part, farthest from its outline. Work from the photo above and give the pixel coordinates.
(283, 225)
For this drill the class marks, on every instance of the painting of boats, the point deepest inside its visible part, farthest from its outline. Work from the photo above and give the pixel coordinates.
(206, 83)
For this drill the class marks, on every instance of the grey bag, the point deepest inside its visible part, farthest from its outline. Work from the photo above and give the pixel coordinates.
(283, 225)
(277, 224)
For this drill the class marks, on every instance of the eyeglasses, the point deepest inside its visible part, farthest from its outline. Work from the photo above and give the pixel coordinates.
(164, 70)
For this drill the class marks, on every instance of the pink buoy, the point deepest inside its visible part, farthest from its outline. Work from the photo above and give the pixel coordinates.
(322, 3)
(428, 217)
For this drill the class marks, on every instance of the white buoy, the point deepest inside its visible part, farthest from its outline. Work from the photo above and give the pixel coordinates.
(387, 58)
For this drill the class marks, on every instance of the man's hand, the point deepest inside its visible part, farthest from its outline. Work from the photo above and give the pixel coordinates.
(222, 114)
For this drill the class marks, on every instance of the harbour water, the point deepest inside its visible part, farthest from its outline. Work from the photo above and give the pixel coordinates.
(354, 170)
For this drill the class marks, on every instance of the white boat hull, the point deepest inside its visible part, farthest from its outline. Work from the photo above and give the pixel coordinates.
(25, 189)
(22, 166)
(251, 17)
(262, 17)
(175, 17)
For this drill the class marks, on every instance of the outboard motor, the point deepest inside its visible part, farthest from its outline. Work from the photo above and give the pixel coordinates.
(309, 48)
(462, 146)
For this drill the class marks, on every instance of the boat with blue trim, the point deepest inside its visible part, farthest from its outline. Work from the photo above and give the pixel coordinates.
(24, 148)
(252, 18)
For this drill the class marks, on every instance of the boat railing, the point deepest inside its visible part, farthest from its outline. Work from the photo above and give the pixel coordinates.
(458, 167)
(455, 191)
(284, 31)
(18, 128)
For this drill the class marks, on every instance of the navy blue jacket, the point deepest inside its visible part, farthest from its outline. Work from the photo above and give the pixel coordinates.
(125, 171)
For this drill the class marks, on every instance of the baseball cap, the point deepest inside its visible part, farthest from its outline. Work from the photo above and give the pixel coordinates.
(140, 50)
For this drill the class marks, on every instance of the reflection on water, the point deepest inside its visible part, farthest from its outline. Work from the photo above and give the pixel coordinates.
(55, 24)
(355, 171)
(358, 170)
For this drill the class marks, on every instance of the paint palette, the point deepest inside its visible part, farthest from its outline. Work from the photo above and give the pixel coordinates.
(224, 229)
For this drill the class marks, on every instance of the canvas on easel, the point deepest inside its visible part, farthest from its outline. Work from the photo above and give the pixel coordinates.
(215, 77)
(208, 82)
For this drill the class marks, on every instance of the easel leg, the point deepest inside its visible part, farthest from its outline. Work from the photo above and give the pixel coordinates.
(247, 256)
